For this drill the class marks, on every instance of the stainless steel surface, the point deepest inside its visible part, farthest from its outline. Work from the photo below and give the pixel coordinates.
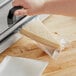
(9, 41)
(1, 1)
(6, 38)
(5, 30)
(3, 17)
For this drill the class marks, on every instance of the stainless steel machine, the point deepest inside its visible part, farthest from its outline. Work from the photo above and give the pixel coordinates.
(9, 25)
(8, 34)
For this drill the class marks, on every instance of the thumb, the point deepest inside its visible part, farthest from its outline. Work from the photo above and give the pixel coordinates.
(21, 12)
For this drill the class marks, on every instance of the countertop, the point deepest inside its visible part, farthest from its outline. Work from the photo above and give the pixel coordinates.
(64, 65)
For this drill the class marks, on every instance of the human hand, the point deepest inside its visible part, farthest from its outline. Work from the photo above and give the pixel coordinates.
(30, 7)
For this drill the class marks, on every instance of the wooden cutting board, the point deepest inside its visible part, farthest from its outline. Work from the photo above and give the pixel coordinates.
(64, 65)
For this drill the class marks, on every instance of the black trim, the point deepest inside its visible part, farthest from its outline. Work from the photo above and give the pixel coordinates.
(11, 18)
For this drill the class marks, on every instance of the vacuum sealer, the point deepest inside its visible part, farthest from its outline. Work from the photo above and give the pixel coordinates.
(7, 30)
(9, 25)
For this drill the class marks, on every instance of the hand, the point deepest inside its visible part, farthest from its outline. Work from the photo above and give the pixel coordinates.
(35, 7)
(30, 7)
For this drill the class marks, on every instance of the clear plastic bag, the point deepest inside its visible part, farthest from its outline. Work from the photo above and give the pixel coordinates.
(53, 34)
(63, 40)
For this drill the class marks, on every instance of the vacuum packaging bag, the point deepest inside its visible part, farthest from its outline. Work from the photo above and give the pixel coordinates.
(37, 30)
(62, 28)
(53, 34)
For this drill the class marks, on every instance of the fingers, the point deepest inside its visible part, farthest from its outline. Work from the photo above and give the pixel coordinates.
(21, 12)
(29, 7)
(17, 3)
(22, 3)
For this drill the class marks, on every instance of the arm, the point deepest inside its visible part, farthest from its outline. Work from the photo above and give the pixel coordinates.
(34, 7)
(62, 7)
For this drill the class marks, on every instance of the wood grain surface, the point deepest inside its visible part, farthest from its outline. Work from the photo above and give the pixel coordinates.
(64, 65)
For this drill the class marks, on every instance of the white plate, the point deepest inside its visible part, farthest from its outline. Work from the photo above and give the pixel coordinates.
(15, 66)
